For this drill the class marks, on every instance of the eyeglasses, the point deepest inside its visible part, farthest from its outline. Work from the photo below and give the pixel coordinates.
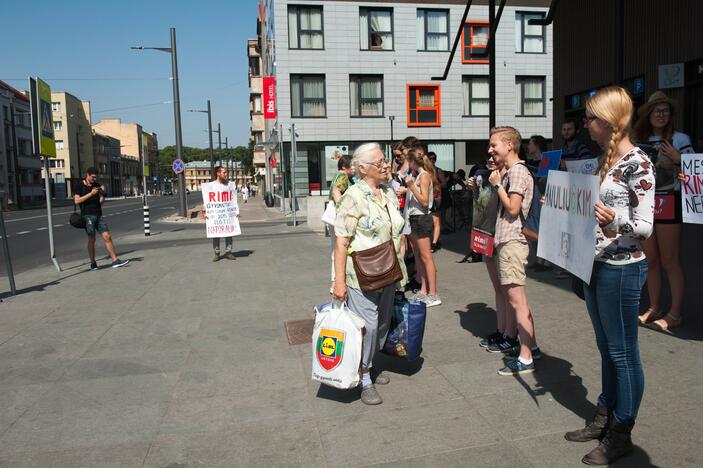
(378, 164)
(588, 119)
(663, 111)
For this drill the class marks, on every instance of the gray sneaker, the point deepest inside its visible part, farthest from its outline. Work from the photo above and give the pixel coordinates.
(380, 378)
(417, 296)
(431, 301)
(369, 395)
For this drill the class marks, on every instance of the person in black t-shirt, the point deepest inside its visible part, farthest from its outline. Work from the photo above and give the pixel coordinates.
(90, 195)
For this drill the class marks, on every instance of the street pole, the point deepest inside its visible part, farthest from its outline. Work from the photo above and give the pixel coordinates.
(183, 204)
(209, 132)
(391, 118)
(293, 156)
(6, 250)
(492, 65)
(283, 168)
(219, 143)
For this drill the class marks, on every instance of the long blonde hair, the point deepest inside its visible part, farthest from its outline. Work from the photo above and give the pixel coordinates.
(420, 158)
(612, 105)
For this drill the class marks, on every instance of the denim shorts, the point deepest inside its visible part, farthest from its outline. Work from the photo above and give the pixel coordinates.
(95, 223)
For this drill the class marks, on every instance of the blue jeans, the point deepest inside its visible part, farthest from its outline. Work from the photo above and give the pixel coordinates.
(613, 299)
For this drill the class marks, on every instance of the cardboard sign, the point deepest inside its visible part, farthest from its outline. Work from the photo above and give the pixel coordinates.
(269, 97)
(221, 209)
(549, 162)
(482, 242)
(567, 228)
(582, 166)
(692, 188)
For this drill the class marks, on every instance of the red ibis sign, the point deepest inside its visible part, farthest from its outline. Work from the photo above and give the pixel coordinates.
(269, 97)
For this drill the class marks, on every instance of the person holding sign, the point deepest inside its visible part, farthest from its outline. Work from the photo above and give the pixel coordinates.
(221, 212)
(625, 217)
(514, 190)
(656, 136)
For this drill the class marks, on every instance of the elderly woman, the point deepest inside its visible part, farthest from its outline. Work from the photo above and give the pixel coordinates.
(367, 216)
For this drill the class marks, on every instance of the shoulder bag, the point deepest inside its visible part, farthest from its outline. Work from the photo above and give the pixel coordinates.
(378, 266)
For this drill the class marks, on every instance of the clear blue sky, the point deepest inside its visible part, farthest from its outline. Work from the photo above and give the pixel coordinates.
(88, 42)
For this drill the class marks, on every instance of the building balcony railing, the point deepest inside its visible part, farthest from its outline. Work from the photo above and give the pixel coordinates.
(257, 123)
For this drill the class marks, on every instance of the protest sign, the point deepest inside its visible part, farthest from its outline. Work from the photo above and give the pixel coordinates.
(332, 155)
(582, 166)
(549, 162)
(692, 190)
(221, 209)
(484, 214)
(567, 229)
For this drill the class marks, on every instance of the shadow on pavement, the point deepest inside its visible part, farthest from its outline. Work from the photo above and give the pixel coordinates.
(43, 286)
(243, 253)
(478, 319)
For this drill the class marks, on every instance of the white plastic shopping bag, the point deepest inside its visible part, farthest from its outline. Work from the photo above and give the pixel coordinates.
(330, 214)
(336, 346)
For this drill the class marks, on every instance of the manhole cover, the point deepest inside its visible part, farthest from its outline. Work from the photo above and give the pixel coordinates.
(299, 331)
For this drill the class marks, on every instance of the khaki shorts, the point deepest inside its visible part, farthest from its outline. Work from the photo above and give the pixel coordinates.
(512, 261)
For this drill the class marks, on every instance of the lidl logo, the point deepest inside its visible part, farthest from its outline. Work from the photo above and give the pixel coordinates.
(330, 348)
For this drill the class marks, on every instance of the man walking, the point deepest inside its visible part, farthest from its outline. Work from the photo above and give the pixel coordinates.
(514, 190)
(90, 196)
(221, 178)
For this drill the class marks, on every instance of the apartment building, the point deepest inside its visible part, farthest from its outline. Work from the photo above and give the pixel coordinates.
(74, 143)
(136, 144)
(256, 111)
(351, 72)
(199, 172)
(20, 173)
(107, 162)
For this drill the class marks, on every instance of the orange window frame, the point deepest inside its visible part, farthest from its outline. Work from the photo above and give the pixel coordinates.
(415, 88)
(471, 25)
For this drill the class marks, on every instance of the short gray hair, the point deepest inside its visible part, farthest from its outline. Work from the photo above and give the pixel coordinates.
(361, 153)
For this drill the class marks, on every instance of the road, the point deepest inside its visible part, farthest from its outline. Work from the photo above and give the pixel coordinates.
(29, 239)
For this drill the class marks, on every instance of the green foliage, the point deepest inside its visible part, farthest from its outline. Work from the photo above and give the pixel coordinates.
(239, 153)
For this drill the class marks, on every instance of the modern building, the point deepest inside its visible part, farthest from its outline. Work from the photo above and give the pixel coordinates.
(349, 72)
(137, 144)
(74, 142)
(198, 173)
(107, 161)
(20, 173)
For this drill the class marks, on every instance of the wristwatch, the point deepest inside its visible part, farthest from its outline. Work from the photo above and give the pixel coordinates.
(497, 186)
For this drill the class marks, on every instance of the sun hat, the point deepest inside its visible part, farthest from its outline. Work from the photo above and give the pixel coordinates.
(657, 97)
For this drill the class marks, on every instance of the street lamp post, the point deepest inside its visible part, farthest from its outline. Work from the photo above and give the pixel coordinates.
(208, 111)
(183, 207)
(391, 118)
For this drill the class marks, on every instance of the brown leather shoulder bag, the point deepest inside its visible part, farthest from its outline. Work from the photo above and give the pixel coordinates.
(378, 266)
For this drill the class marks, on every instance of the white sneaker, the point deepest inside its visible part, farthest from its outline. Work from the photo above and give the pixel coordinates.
(417, 296)
(431, 301)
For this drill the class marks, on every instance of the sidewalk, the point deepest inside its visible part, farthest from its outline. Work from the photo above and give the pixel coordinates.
(176, 361)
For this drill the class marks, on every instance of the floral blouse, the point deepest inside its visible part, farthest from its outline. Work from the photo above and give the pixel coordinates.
(362, 217)
(628, 188)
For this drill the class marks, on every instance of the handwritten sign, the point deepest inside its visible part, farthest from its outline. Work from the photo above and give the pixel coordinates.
(567, 228)
(221, 209)
(549, 162)
(692, 189)
(582, 166)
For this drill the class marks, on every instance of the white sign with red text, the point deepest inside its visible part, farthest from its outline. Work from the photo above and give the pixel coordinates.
(692, 188)
(221, 209)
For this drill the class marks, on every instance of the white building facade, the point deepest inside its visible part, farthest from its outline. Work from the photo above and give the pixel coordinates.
(345, 69)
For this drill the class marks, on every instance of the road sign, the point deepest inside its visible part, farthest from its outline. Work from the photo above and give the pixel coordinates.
(178, 166)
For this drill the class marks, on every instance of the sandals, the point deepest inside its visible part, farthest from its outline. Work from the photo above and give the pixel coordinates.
(649, 315)
(665, 324)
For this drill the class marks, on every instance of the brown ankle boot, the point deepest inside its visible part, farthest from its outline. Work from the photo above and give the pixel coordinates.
(616, 444)
(594, 430)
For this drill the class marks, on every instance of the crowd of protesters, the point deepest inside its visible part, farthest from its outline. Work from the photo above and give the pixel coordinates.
(401, 198)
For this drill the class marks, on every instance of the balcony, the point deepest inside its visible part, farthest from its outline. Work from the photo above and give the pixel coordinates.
(259, 158)
(256, 85)
(257, 123)
(253, 49)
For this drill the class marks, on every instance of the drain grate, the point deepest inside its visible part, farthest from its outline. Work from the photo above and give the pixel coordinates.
(299, 331)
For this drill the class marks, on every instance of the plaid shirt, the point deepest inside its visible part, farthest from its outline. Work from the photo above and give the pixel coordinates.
(517, 180)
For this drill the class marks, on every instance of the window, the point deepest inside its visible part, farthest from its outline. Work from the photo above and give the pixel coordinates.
(474, 42)
(56, 163)
(424, 106)
(529, 93)
(529, 39)
(6, 112)
(59, 144)
(366, 95)
(56, 106)
(376, 28)
(432, 30)
(476, 97)
(307, 93)
(257, 104)
(58, 125)
(305, 27)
